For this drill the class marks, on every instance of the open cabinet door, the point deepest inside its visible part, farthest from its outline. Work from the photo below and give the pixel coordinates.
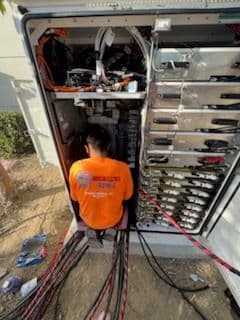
(33, 110)
(223, 234)
(18, 80)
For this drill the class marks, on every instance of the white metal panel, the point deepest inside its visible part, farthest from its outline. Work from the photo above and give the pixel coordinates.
(61, 6)
(11, 48)
(35, 117)
(224, 239)
(19, 87)
(10, 33)
(8, 101)
(16, 68)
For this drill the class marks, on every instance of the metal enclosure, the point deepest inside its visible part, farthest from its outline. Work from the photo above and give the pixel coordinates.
(188, 91)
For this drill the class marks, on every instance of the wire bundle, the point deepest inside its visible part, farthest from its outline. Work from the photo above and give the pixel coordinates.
(119, 271)
(196, 243)
(158, 269)
(33, 306)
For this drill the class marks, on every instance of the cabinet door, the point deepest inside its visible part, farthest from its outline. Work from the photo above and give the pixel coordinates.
(223, 234)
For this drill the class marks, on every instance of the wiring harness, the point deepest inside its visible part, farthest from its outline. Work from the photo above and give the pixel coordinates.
(167, 215)
(35, 303)
(33, 306)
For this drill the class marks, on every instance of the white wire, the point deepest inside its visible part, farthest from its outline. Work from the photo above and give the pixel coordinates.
(141, 42)
(98, 38)
(154, 60)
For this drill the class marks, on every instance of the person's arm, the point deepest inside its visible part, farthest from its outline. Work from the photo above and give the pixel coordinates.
(128, 184)
(72, 183)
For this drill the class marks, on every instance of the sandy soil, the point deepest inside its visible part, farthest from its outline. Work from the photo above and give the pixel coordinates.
(42, 200)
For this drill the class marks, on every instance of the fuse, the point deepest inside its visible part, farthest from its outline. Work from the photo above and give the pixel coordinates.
(188, 219)
(155, 181)
(171, 191)
(172, 200)
(173, 184)
(206, 176)
(192, 207)
(157, 173)
(168, 206)
(202, 184)
(188, 226)
(189, 213)
(175, 175)
(196, 200)
(199, 193)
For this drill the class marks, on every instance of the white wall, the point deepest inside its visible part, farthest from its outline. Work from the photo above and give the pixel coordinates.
(11, 54)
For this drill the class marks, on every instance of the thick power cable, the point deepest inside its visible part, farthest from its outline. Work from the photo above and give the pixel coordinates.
(125, 277)
(23, 305)
(183, 289)
(113, 277)
(49, 289)
(46, 280)
(120, 262)
(173, 285)
(120, 279)
(94, 306)
(195, 242)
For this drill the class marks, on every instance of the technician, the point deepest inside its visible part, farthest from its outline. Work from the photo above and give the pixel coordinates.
(100, 185)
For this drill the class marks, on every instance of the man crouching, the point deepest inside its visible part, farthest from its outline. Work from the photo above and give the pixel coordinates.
(100, 185)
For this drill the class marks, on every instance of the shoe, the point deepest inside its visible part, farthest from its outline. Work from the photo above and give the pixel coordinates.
(109, 234)
(94, 240)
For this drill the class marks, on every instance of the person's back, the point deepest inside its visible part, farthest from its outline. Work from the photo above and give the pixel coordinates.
(100, 184)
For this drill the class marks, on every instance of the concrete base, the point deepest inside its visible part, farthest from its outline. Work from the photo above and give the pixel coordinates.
(162, 244)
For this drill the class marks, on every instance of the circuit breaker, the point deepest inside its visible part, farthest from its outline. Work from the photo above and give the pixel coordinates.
(191, 133)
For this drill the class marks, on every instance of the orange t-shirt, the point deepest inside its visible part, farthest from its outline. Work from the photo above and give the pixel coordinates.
(100, 185)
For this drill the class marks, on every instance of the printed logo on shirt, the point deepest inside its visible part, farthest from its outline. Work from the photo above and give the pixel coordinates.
(84, 179)
(97, 194)
(106, 179)
(106, 185)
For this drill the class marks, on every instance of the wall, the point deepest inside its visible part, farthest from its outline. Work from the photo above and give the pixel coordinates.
(11, 54)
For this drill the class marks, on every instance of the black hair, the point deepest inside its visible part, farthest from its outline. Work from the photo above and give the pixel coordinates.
(98, 137)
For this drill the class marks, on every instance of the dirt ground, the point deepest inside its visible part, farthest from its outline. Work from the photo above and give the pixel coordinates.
(42, 208)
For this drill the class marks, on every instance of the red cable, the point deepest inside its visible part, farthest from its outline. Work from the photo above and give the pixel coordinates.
(30, 307)
(48, 291)
(107, 286)
(125, 286)
(55, 254)
(93, 311)
(195, 242)
(212, 160)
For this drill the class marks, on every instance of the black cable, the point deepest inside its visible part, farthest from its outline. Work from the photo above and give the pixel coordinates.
(42, 307)
(105, 282)
(110, 294)
(60, 287)
(123, 292)
(231, 129)
(120, 278)
(184, 289)
(58, 298)
(21, 305)
(46, 299)
(171, 281)
(61, 284)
